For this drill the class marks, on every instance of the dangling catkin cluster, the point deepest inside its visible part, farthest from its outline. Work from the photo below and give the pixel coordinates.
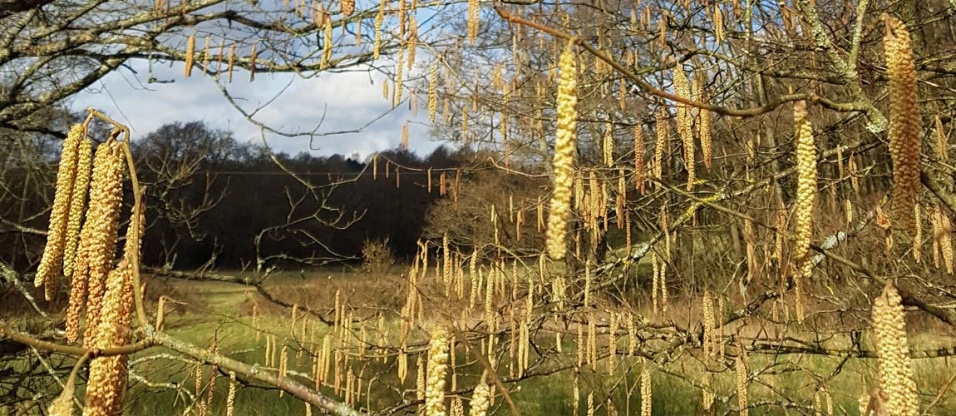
(98, 243)
(685, 124)
(52, 260)
(806, 196)
(904, 128)
(608, 144)
(347, 7)
(91, 238)
(473, 20)
(703, 123)
(657, 169)
(107, 381)
(718, 24)
(190, 53)
(480, 399)
(896, 367)
(379, 20)
(81, 188)
(741, 380)
(432, 92)
(564, 149)
(437, 369)
(105, 386)
(327, 41)
(707, 393)
(639, 159)
(710, 325)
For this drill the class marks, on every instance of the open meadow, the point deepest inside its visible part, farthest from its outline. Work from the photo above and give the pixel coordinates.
(241, 321)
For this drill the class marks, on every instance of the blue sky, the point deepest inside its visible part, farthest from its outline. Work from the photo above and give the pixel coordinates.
(348, 100)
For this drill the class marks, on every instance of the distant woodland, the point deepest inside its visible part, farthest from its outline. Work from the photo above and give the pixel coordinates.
(216, 202)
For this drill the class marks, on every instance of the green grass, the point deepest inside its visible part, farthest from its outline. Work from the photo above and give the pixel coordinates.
(216, 312)
(794, 376)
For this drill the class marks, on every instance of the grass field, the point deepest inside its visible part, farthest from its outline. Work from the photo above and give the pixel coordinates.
(224, 311)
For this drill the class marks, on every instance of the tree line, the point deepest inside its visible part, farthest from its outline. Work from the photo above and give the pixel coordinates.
(216, 202)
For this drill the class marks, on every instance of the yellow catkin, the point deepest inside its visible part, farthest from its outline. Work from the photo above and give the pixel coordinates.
(639, 159)
(936, 223)
(608, 144)
(703, 126)
(437, 370)
(231, 397)
(222, 49)
(412, 41)
(655, 282)
(663, 283)
(895, 364)
(647, 394)
(205, 55)
(917, 234)
(327, 42)
(232, 60)
(946, 241)
(379, 21)
(685, 124)
(612, 344)
(99, 234)
(358, 31)
(190, 52)
(662, 132)
(575, 396)
(420, 380)
(942, 146)
(563, 162)
(474, 9)
(707, 392)
(480, 399)
(253, 55)
(402, 18)
(347, 7)
(806, 197)
(402, 366)
(399, 77)
(432, 92)
(718, 24)
(104, 388)
(710, 325)
(741, 381)
(904, 128)
(52, 260)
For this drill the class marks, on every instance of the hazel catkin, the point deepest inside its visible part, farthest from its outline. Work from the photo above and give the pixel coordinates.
(806, 196)
(52, 259)
(904, 129)
(437, 369)
(564, 150)
(99, 234)
(480, 400)
(685, 124)
(895, 364)
(81, 188)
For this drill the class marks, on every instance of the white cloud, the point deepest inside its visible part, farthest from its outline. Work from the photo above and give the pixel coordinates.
(348, 100)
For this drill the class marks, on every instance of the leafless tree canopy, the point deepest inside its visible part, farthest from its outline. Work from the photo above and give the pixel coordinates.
(758, 194)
